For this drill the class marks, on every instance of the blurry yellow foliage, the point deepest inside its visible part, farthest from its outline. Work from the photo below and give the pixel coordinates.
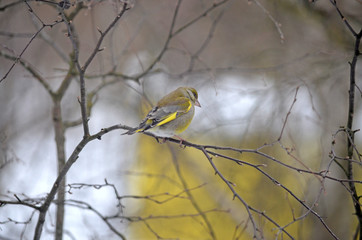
(185, 199)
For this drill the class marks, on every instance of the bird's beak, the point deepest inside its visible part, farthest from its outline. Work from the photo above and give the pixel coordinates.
(197, 103)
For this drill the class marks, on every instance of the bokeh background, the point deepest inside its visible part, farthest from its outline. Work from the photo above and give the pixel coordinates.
(249, 60)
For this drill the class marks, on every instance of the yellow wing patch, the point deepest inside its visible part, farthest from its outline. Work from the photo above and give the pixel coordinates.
(189, 102)
(173, 116)
(169, 118)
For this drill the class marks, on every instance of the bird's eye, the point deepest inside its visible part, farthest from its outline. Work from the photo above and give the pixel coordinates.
(195, 93)
(192, 93)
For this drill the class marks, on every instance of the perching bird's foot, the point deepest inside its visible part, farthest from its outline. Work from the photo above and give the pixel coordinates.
(161, 142)
(181, 141)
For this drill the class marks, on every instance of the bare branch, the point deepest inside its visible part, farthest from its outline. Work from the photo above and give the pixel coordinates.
(84, 205)
(288, 113)
(202, 15)
(235, 194)
(190, 196)
(81, 69)
(30, 41)
(344, 19)
(275, 22)
(165, 46)
(71, 160)
(351, 148)
(30, 69)
(206, 42)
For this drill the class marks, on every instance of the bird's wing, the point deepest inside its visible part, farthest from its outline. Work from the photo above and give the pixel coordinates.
(161, 115)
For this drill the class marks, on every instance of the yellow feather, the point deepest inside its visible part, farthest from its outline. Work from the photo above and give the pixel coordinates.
(173, 116)
(190, 105)
(168, 119)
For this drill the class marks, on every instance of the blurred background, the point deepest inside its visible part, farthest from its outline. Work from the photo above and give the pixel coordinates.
(248, 60)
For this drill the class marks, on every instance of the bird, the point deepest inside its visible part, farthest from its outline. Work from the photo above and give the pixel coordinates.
(172, 114)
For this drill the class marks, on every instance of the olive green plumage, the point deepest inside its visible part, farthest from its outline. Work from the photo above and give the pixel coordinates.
(172, 114)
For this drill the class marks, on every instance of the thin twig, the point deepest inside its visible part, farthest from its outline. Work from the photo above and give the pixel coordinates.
(17, 59)
(31, 70)
(82, 69)
(71, 160)
(349, 128)
(30, 41)
(165, 46)
(289, 112)
(275, 22)
(235, 194)
(190, 196)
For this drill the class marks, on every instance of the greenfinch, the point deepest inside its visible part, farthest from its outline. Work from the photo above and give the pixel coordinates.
(172, 114)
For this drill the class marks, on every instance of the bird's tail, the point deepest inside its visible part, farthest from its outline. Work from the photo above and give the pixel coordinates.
(132, 131)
